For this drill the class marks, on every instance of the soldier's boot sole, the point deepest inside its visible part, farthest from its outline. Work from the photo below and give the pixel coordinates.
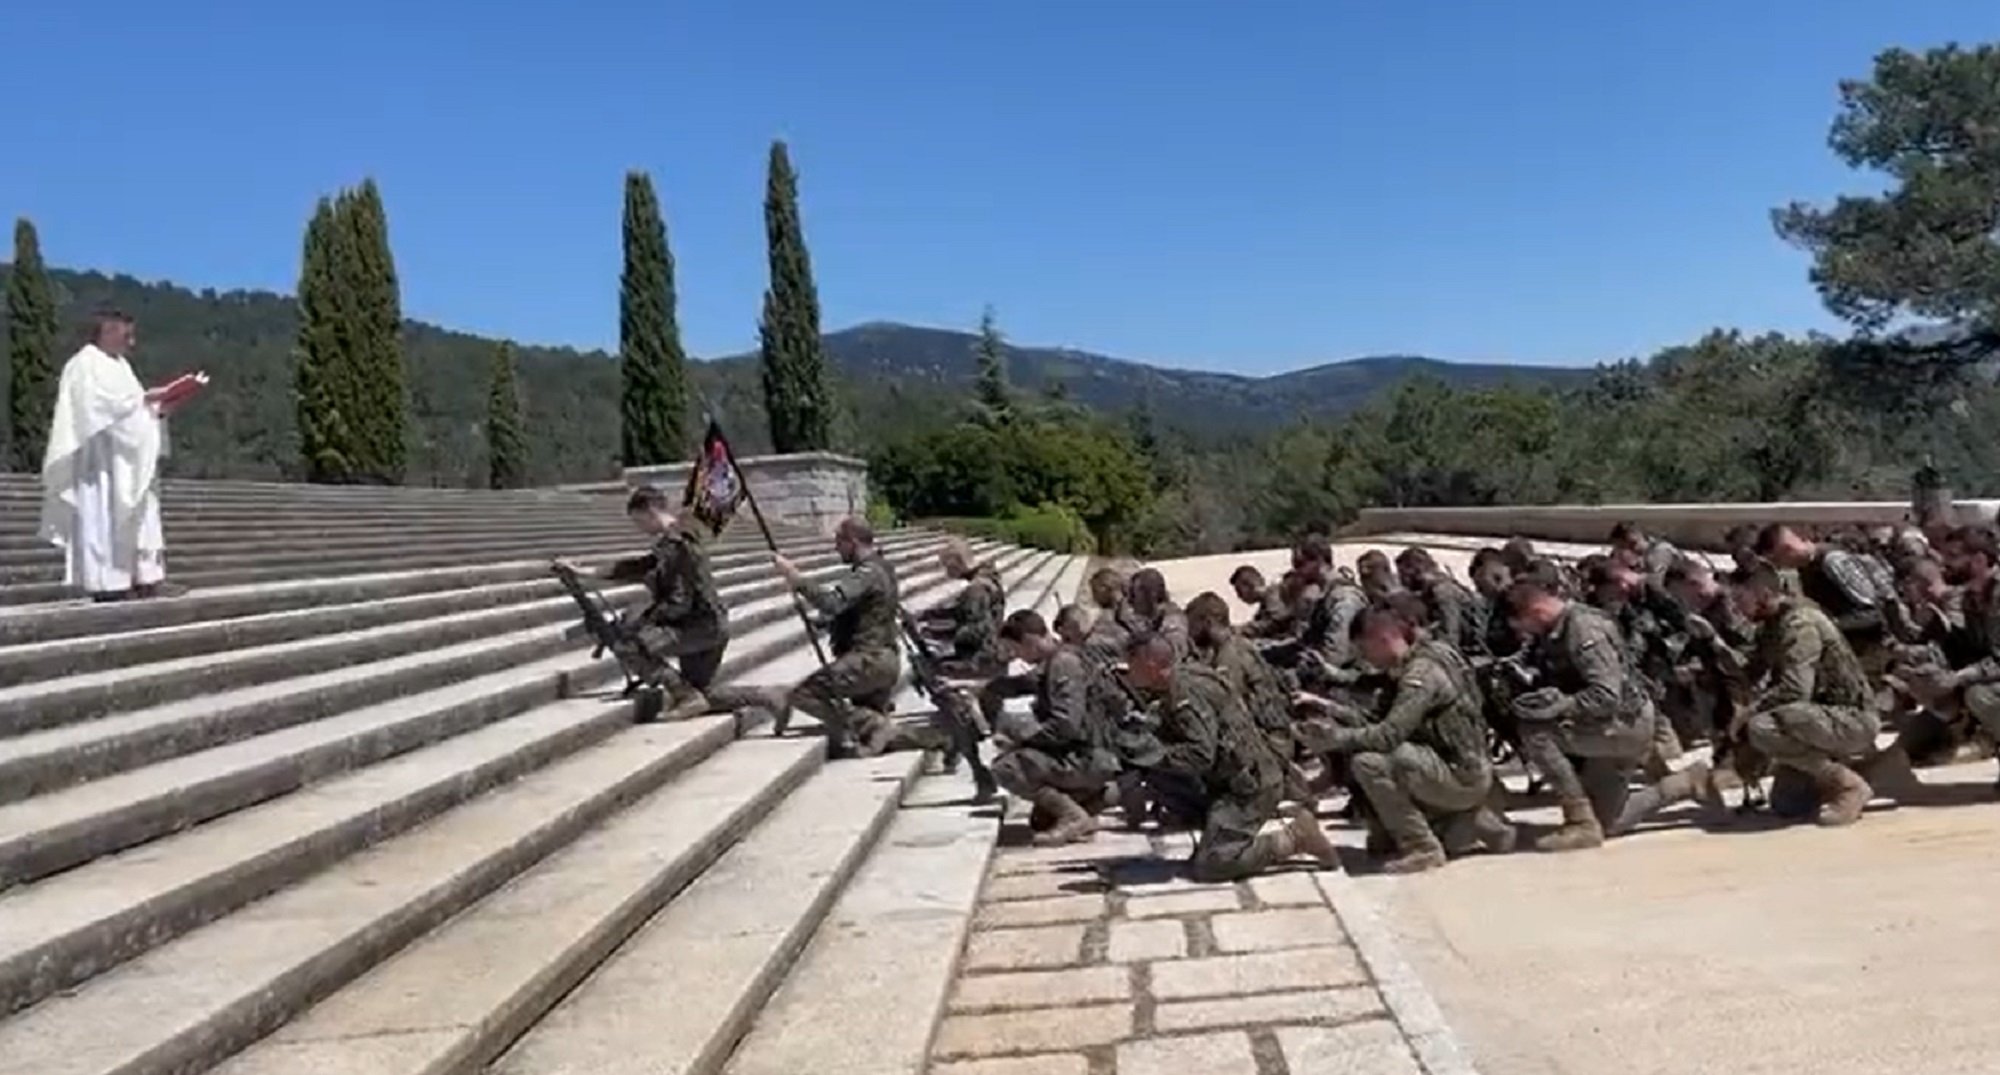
(1495, 834)
(1890, 772)
(1845, 794)
(1793, 794)
(687, 707)
(1580, 829)
(1070, 822)
(1423, 858)
(1309, 837)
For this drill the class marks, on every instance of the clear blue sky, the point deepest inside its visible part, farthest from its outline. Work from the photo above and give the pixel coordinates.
(1248, 186)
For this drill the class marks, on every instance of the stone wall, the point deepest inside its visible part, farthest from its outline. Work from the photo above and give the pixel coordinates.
(1691, 525)
(804, 490)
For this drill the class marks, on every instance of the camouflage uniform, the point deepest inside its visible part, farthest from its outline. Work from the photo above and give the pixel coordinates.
(1842, 585)
(971, 621)
(1168, 621)
(1272, 619)
(1105, 644)
(1262, 691)
(1595, 709)
(866, 637)
(1206, 741)
(1067, 742)
(1980, 678)
(1651, 623)
(1323, 654)
(1818, 706)
(1428, 755)
(684, 617)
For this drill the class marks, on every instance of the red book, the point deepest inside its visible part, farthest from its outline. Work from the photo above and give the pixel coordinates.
(180, 388)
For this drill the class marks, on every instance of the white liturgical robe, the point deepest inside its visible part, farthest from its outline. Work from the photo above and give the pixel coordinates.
(100, 478)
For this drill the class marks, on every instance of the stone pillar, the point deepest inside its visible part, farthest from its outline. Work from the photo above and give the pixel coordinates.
(803, 491)
(1930, 499)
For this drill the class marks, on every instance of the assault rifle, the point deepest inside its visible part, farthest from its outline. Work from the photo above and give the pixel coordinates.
(600, 619)
(957, 716)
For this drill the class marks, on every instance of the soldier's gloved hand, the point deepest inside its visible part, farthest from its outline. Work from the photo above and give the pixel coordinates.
(1699, 629)
(1541, 705)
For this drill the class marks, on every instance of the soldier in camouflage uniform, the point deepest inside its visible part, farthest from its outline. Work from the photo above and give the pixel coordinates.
(1271, 617)
(684, 619)
(1640, 551)
(1593, 708)
(1972, 556)
(1490, 578)
(1715, 656)
(1376, 575)
(1651, 623)
(1072, 625)
(1250, 678)
(1454, 613)
(1105, 644)
(1817, 713)
(1063, 750)
(1840, 584)
(1149, 610)
(1322, 656)
(1206, 739)
(969, 623)
(1425, 761)
(851, 695)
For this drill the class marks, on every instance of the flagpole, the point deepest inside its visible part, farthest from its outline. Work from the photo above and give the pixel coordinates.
(757, 513)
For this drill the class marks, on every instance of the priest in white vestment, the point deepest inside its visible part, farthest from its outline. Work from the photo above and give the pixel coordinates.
(100, 477)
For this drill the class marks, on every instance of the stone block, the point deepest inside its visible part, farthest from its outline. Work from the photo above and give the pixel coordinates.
(1107, 846)
(1042, 1030)
(1043, 912)
(1042, 884)
(1374, 1047)
(1020, 949)
(1294, 889)
(1042, 989)
(1138, 942)
(1184, 903)
(1263, 931)
(1046, 1064)
(1209, 1054)
(1264, 972)
(1317, 1006)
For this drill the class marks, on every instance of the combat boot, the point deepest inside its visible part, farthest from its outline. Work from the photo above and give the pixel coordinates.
(1134, 804)
(1072, 824)
(1890, 772)
(648, 703)
(685, 704)
(1494, 833)
(1308, 837)
(1580, 829)
(876, 734)
(1697, 782)
(1843, 794)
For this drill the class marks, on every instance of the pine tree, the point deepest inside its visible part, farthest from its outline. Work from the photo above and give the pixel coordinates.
(506, 443)
(991, 352)
(31, 343)
(325, 443)
(653, 366)
(796, 394)
(382, 420)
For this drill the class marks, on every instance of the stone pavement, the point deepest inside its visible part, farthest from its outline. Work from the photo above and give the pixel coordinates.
(1102, 959)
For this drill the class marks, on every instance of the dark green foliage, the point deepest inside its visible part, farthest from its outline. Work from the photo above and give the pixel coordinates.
(653, 368)
(31, 346)
(506, 444)
(990, 389)
(382, 421)
(1045, 526)
(322, 381)
(1927, 249)
(797, 395)
(351, 405)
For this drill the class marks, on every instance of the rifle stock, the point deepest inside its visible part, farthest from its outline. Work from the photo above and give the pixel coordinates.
(600, 619)
(955, 714)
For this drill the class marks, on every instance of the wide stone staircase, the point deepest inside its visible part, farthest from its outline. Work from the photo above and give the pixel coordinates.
(362, 802)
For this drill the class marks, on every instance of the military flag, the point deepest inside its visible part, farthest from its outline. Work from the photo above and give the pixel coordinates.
(714, 488)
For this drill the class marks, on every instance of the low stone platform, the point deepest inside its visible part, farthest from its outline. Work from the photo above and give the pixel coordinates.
(1103, 959)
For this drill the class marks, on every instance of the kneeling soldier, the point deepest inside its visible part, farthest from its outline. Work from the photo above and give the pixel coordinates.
(851, 695)
(969, 623)
(1816, 714)
(1062, 750)
(1427, 758)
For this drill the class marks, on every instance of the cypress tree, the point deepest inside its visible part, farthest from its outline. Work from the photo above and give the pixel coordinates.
(382, 419)
(506, 443)
(31, 343)
(991, 353)
(325, 442)
(796, 394)
(653, 368)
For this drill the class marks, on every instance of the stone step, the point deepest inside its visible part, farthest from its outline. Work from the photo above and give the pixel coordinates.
(741, 575)
(535, 939)
(55, 702)
(202, 996)
(263, 746)
(185, 490)
(65, 928)
(24, 528)
(74, 618)
(886, 954)
(706, 962)
(332, 532)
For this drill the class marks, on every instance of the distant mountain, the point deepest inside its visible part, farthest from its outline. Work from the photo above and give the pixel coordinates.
(1211, 402)
(898, 376)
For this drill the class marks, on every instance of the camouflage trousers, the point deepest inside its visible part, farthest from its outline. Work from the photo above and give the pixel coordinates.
(1411, 785)
(1606, 753)
(851, 694)
(653, 650)
(1228, 849)
(1982, 700)
(1026, 770)
(1802, 734)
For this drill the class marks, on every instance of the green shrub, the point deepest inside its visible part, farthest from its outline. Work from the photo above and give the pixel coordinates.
(1046, 526)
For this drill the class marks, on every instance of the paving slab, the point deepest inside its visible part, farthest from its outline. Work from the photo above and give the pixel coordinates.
(884, 957)
(1210, 1054)
(1143, 942)
(1263, 931)
(1038, 1031)
(1042, 912)
(1045, 1064)
(1369, 1048)
(1316, 1006)
(1042, 989)
(1264, 972)
(1221, 898)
